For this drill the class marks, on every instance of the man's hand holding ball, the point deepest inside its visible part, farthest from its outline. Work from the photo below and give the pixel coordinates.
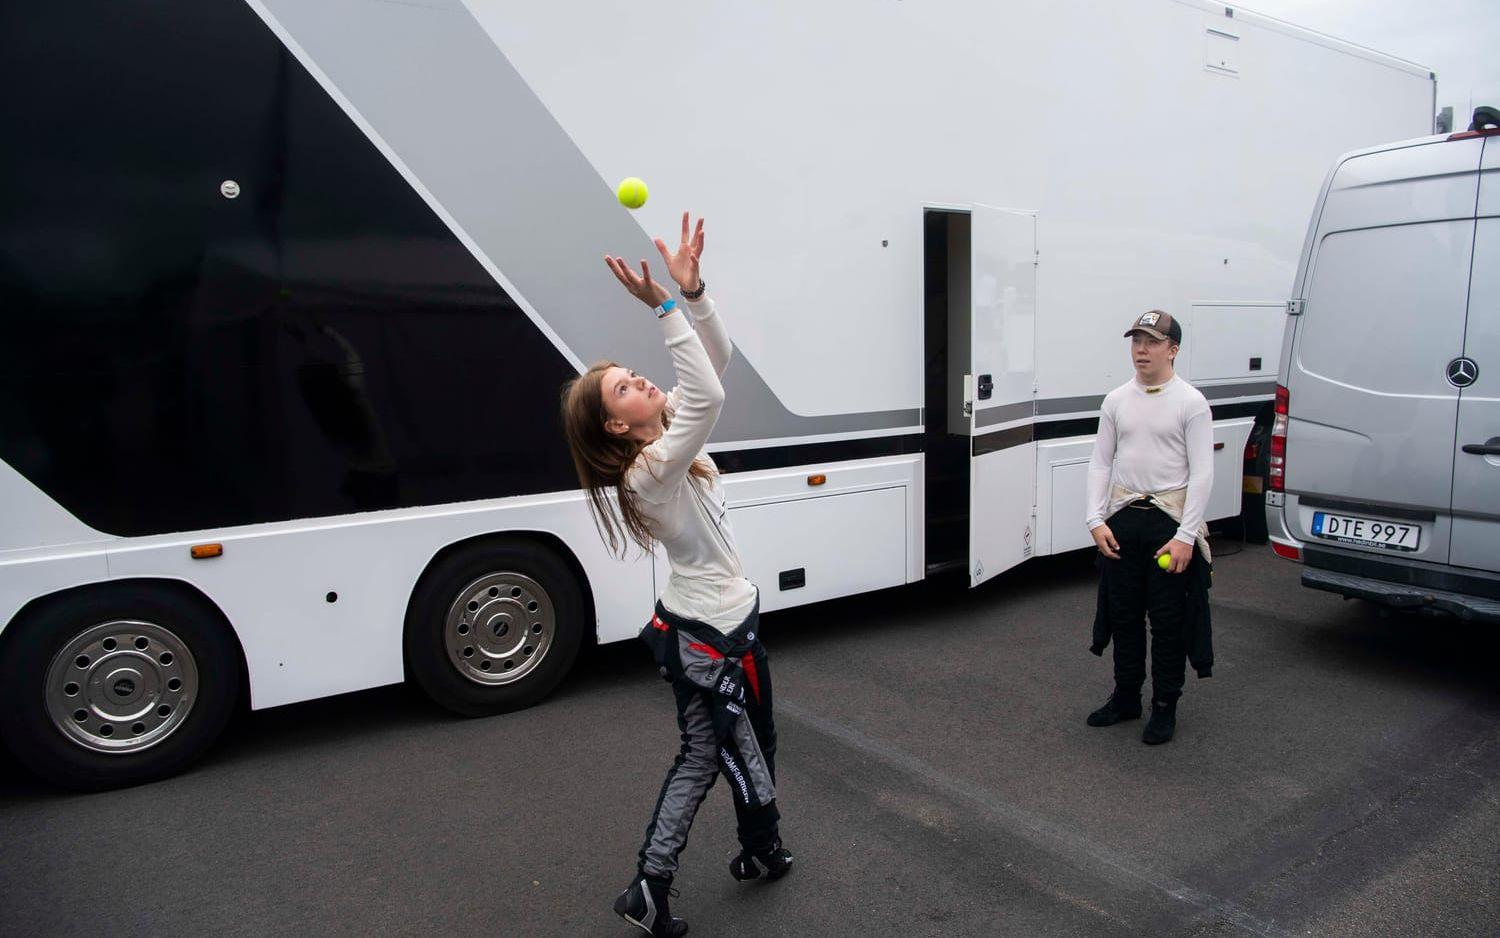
(1174, 556)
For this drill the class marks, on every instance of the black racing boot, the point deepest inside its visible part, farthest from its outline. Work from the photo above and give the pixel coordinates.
(644, 905)
(1163, 722)
(1121, 705)
(777, 861)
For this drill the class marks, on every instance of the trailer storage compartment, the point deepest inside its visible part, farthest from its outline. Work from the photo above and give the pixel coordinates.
(816, 548)
(813, 532)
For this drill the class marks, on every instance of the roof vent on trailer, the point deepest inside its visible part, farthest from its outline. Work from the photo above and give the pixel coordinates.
(1486, 123)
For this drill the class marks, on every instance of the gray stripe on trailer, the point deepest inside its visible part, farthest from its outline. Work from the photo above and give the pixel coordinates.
(1005, 414)
(477, 138)
(1221, 392)
(1216, 392)
(1069, 405)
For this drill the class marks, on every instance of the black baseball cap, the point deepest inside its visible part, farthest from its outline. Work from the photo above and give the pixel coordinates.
(1157, 324)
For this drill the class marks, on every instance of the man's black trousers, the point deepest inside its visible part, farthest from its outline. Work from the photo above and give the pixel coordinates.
(1136, 587)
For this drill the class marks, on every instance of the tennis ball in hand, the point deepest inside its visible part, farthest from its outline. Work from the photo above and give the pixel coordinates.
(1164, 561)
(631, 192)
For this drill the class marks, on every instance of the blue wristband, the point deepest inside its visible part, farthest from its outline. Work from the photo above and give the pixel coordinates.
(666, 307)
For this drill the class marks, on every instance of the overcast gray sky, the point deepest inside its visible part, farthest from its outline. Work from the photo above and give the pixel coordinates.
(1457, 39)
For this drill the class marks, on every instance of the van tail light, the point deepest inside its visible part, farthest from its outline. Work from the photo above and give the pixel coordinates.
(1471, 134)
(1287, 551)
(1278, 440)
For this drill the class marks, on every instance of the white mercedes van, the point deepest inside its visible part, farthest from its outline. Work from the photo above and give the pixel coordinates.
(1385, 452)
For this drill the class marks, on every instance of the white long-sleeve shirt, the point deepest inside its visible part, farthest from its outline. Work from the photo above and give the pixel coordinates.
(1149, 442)
(686, 514)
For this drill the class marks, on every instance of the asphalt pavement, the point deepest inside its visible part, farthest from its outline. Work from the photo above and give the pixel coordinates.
(1338, 775)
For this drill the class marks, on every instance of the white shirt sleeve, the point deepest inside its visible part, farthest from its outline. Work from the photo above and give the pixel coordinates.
(711, 330)
(697, 400)
(1101, 466)
(1199, 432)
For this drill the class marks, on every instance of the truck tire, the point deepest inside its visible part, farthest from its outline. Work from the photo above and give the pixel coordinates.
(117, 686)
(494, 626)
(1253, 504)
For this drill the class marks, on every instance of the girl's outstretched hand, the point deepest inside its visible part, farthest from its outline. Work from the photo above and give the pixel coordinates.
(640, 286)
(683, 263)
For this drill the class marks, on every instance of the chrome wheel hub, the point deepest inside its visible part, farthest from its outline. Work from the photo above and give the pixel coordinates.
(499, 628)
(121, 686)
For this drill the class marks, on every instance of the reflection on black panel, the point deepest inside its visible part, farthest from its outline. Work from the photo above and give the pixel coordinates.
(173, 359)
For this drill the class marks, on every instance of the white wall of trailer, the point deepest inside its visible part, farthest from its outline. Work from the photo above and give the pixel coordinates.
(859, 529)
(1062, 483)
(818, 131)
(1171, 155)
(273, 580)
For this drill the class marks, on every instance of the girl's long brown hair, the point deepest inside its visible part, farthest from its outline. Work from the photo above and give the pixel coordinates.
(602, 460)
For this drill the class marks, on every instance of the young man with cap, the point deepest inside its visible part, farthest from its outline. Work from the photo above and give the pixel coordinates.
(1148, 487)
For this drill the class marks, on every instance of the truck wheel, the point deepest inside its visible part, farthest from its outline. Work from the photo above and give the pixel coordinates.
(494, 626)
(1253, 504)
(116, 687)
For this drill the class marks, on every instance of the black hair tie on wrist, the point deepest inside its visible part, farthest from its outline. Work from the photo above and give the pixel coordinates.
(702, 285)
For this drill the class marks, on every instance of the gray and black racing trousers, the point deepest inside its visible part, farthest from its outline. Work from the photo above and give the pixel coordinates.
(723, 695)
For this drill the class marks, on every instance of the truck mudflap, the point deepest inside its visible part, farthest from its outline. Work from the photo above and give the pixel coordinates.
(1402, 596)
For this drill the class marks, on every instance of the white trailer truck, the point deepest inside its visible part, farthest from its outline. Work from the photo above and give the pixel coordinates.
(291, 286)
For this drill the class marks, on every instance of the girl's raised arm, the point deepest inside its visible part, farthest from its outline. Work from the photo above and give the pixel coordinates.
(683, 266)
(697, 398)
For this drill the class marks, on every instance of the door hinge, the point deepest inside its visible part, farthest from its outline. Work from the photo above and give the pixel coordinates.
(968, 395)
(1296, 307)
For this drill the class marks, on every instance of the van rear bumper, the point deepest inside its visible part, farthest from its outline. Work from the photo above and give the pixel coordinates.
(1402, 596)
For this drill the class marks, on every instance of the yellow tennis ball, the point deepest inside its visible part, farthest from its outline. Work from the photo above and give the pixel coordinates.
(1164, 561)
(631, 192)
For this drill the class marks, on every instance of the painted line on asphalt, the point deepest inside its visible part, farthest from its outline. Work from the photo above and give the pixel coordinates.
(1049, 835)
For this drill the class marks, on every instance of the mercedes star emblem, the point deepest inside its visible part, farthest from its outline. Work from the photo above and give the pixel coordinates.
(1462, 372)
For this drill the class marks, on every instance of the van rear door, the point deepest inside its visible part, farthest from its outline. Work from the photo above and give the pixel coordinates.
(1369, 457)
(1476, 467)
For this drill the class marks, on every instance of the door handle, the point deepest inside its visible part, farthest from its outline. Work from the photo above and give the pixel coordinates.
(1483, 449)
(986, 387)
